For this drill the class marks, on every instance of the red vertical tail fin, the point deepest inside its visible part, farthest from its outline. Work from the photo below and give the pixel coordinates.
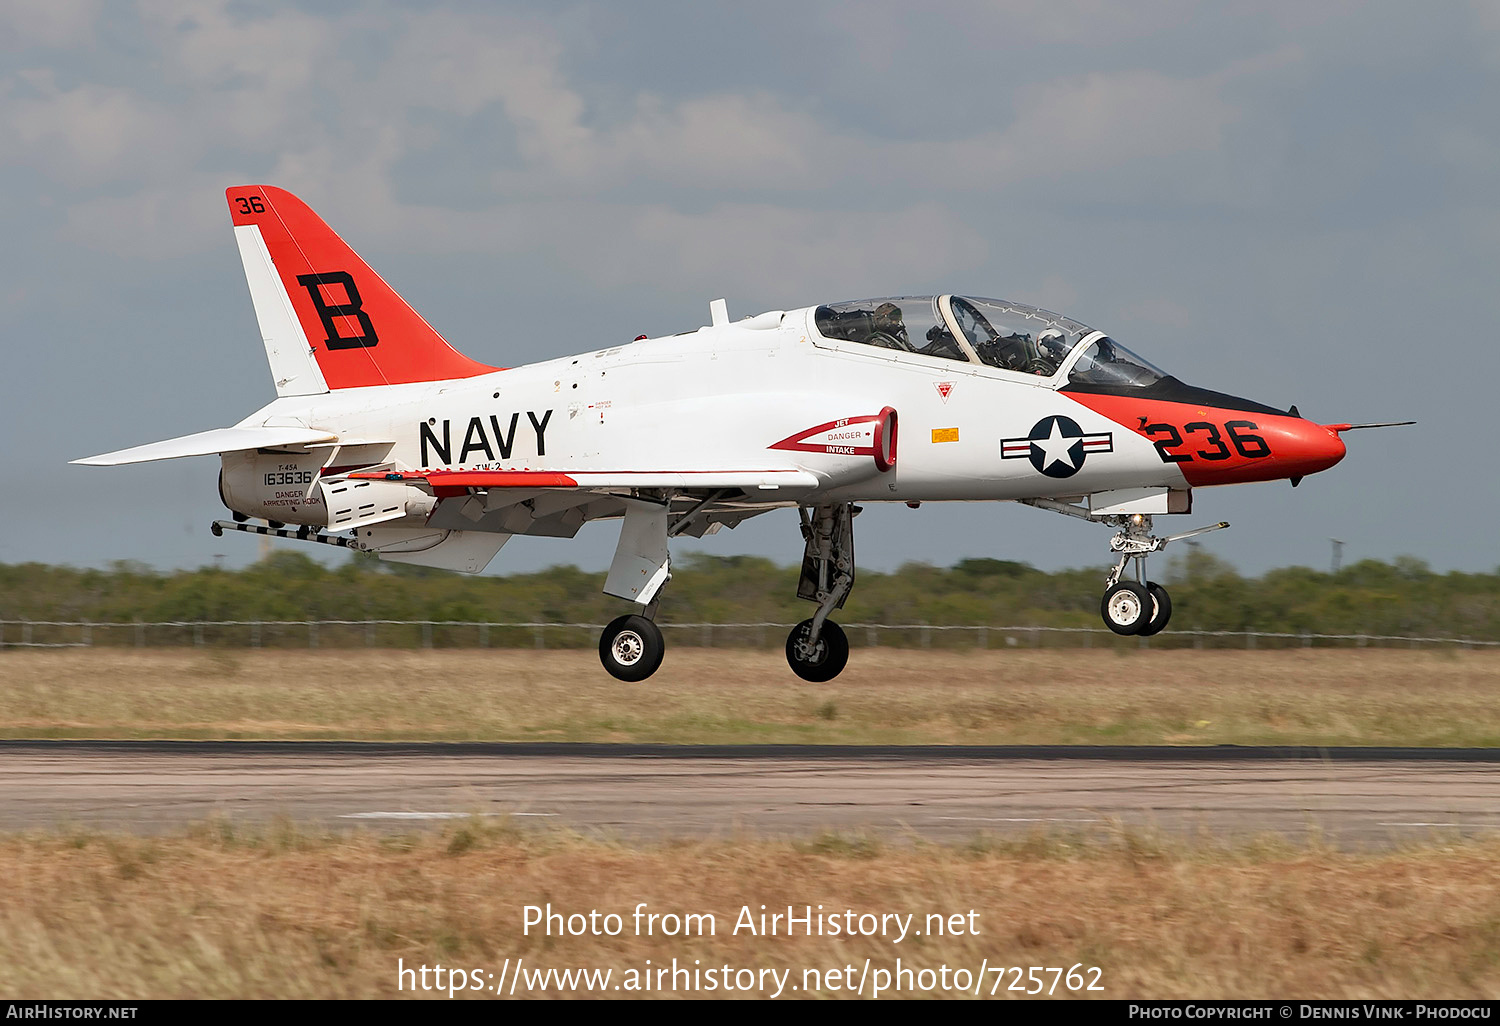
(314, 295)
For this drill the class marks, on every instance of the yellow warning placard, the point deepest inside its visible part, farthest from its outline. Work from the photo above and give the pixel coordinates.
(944, 435)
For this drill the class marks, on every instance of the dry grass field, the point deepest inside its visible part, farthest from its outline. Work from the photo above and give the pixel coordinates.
(217, 914)
(236, 911)
(1017, 696)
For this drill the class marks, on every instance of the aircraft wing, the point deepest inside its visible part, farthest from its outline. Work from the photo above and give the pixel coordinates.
(211, 443)
(750, 480)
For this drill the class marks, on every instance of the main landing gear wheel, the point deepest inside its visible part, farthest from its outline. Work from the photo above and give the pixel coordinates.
(818, 663)
(1126, 608)
(631, 647)
(1161, 610)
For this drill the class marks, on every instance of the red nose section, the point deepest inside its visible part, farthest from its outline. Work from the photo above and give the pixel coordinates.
(1260, 448)
(1213, 446)
(1300, 447)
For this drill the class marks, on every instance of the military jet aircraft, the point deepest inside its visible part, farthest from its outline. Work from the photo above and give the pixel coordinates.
(385, 439)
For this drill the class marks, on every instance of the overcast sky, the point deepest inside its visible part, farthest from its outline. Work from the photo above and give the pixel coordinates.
(1292, 202)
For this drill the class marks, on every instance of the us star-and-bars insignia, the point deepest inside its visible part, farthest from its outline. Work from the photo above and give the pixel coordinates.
(1057, 446)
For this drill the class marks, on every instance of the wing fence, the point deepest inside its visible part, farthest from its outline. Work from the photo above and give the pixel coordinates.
(456, 634)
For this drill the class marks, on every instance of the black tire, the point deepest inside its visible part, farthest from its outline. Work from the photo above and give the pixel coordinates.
(631, 648)
(827, 661)
(1161, 609)
(1126, 608)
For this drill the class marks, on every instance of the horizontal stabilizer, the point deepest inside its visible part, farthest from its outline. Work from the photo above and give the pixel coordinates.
(747, 479)
(211, 443)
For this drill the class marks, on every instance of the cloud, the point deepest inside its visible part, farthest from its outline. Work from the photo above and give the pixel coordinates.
(85, 135)
(346, 107)
(1080, 22)
(27, 23)
(1091, 136)
(156, 223)
(1108, 118)
(769, 249)
(722, 141)
(744, 248)
(302, 101)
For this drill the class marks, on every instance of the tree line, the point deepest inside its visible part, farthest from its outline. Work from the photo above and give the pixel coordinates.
(1402, 597)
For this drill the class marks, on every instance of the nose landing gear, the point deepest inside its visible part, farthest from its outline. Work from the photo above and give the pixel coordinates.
(1139, 607)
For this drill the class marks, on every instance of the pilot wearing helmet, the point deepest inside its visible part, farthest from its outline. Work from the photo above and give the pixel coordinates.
(1020, 352)
(887, 328)
(1051, 349)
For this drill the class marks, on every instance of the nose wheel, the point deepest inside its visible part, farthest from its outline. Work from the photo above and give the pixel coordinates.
(1161, 610)
(1126, 608)
(631, 648)
(1139, 607)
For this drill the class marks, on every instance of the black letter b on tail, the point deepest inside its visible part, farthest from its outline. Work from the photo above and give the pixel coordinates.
(351, 308)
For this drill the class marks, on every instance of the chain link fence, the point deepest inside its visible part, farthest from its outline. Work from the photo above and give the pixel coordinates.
(412, 634)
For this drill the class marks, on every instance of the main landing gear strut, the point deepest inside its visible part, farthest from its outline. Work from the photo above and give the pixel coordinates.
(631, 647)
(1139, 607)
(817, 648)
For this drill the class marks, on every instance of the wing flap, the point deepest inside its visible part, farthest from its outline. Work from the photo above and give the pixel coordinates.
(211, 443)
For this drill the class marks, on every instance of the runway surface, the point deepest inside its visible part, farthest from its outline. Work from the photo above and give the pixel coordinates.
(1350, 797)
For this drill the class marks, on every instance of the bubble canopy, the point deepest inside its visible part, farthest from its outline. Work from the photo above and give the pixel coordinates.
(991, 332)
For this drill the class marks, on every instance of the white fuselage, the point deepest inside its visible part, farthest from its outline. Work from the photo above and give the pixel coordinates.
(714, 400)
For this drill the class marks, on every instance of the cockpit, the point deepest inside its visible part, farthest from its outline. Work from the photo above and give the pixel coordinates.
(991, 332)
